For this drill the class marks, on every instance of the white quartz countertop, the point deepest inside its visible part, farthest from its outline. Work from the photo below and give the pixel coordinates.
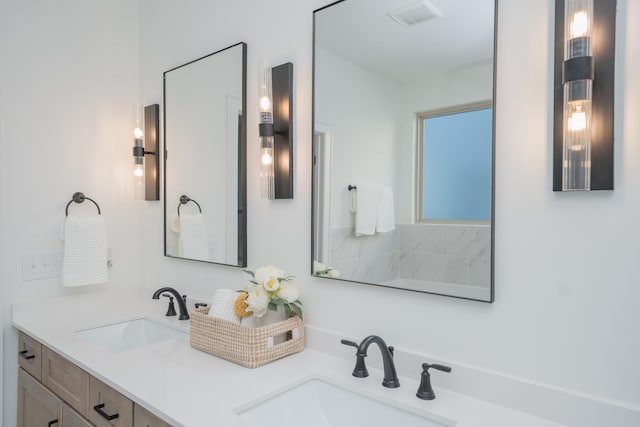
(187, 387)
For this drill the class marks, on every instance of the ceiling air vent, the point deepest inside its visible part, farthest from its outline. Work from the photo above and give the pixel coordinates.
(414, 13)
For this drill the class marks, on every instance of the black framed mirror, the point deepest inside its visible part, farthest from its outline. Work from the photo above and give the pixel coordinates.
(403, 145)
(205, 194)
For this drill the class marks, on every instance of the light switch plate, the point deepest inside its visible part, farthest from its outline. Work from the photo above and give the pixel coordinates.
(41, 266)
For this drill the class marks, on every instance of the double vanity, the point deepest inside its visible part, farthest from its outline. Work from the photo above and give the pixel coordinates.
(138, 356)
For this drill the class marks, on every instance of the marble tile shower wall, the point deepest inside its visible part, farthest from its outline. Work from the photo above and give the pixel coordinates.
(443, 253)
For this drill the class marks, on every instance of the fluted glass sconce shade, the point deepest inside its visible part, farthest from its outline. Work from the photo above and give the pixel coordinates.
(583, 128)
(266, 133)
(578, 78)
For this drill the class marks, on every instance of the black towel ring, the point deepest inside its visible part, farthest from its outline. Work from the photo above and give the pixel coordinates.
(79, 197)
(184, 200)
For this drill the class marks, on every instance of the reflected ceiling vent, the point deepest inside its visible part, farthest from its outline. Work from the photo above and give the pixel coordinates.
(414, 13)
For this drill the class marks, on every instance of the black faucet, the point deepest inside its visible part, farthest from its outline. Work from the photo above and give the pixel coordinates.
(425, 391)
(184, 315)
(360, 371)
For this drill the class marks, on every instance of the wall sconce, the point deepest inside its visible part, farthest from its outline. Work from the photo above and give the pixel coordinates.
(583, 95)
(147, 170)
(276, 136)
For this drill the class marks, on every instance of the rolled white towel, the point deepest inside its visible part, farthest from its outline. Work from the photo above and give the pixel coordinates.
(222, 306)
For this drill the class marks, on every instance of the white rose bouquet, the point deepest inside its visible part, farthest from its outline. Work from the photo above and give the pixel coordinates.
(271, 288)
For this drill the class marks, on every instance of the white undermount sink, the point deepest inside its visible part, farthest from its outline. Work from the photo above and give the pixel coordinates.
(319, 402)
(131, 334)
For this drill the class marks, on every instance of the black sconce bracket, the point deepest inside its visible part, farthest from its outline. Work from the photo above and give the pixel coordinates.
(282, 92)
(151, 141)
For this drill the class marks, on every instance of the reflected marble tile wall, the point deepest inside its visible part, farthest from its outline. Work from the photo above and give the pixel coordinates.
(441, 253)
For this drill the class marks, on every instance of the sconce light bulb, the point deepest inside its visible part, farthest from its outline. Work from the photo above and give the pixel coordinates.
(137, 132)
(267, 157)
(265, 103)
(578, 120)
(579, 24)
(138, 171)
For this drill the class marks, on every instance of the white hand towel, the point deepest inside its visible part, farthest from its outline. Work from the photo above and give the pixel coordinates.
(85, 251)
(192, 239)
(366, 210)
(385, 218)
(222, 306)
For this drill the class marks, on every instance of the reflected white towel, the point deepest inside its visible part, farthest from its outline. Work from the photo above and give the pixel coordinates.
(385, 218)
(222, 306)
(85, 251)
(366, 210)
(192, 240)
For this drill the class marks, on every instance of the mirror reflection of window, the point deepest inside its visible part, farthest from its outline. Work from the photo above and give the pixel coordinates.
(454, 182)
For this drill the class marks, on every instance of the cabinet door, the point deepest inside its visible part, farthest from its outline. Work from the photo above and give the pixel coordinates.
(71, 418)
(30, 352)
(107, 407)
(66, 380)
(37, 406)
(144, 418)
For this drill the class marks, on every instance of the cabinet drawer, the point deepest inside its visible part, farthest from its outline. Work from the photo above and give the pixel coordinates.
(30, 352)
(144, 418)
(105, 403)
(66, 380)
(37, 406)
(71, 418)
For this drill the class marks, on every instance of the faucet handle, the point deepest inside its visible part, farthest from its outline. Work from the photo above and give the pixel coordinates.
(443, 368)
(349, 343)
(425, 391)
(171, 310)
(360, 371)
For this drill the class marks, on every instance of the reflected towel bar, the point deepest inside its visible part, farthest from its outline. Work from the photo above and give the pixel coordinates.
(186, 199)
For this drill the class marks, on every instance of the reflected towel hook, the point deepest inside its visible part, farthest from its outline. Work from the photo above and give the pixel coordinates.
(79, 197)
(186, 199)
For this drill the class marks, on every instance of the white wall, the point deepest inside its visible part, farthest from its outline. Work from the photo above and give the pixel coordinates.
(566, 264)
(361, 109)
(68, 83)
(566, 297)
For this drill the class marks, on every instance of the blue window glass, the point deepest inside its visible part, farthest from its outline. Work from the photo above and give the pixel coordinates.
(456, 168)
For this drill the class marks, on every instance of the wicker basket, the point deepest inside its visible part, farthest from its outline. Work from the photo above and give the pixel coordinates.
(249, 347)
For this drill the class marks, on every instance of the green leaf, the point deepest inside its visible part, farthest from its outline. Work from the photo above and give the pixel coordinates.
(277, 301)
(272, 306)
(287, 311)
(249, 272)
(298, 302)
(298, 310)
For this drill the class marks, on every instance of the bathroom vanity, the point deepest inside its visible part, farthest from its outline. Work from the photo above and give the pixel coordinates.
(78, 365)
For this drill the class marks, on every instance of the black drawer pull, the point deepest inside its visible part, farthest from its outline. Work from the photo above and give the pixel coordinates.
(53, 422)
(98, 409)
(24, 355)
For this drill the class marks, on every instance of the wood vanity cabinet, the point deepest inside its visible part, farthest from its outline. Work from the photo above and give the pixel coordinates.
(144, 418)
(30, 352)
(107, 407)
(66, 380)
(37, 406)
(53, 392)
